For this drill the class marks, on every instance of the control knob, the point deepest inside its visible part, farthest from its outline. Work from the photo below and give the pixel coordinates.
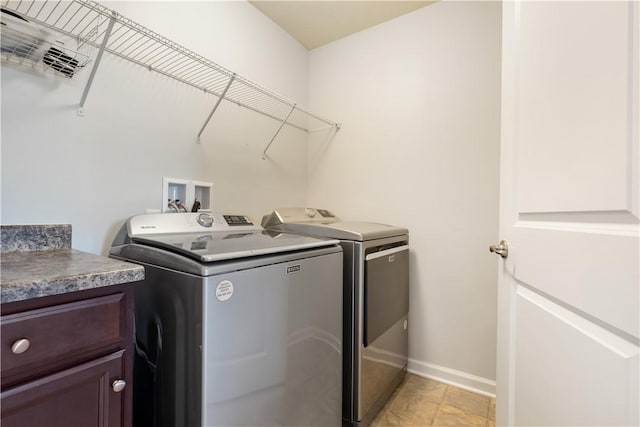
(205, 220)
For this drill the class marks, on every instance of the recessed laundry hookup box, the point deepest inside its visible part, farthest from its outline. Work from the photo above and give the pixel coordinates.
(179, 194)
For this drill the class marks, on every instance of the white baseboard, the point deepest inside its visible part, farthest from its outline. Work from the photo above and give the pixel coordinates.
(451, 376)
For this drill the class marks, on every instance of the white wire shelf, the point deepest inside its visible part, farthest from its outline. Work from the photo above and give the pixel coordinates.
(118, 35)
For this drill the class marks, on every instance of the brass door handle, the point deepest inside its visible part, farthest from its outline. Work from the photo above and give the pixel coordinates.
(501, 249)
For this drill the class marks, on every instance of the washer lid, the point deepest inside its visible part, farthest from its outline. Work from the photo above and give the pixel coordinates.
(209, 247)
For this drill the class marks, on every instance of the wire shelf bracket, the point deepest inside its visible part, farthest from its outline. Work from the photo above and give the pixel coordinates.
(215, 107)
(93, 24)
(264, 153)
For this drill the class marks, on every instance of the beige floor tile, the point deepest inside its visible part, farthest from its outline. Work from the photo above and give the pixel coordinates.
(411, 404)
(492, 409)
(419, 412)
(422, 388)
(452, 416)
(381, 420)
(467, 401)
(421, 402)
(388, 419)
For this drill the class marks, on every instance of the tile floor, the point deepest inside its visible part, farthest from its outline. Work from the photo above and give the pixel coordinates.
(420, 402)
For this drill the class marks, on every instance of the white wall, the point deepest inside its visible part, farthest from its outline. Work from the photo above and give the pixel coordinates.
(94, 172)
(419, 100)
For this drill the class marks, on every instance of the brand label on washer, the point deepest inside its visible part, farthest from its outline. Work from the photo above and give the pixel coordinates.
(293, 268)
(224, 290)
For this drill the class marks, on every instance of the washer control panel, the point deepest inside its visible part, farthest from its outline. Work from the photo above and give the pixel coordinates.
(205, 220)
(236, 220)
(190, 222)
(325, 213)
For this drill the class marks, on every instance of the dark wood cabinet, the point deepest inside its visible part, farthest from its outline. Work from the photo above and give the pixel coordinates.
(76, 397)
(77, 368)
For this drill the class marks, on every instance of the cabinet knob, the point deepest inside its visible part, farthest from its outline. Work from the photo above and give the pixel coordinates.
(119, 385)
(20, 346)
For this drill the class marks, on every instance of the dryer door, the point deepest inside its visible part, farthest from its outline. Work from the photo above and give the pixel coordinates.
(386, 292)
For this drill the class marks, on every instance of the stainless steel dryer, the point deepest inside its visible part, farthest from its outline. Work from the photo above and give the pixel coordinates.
(235, 326)
(376, 304)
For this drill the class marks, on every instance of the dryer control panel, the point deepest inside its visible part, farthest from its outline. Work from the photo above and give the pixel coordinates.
(297, 215)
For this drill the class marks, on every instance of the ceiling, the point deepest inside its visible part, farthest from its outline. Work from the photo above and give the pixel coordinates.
(317, 22)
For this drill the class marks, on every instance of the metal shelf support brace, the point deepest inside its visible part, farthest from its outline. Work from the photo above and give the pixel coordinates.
(103, 46)
(264, 153)
(215, 107)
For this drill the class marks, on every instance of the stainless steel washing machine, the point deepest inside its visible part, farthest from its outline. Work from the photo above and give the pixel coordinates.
(235, 326)
(376, 304)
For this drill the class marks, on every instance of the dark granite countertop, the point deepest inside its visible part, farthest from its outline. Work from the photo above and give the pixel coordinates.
(27, 272)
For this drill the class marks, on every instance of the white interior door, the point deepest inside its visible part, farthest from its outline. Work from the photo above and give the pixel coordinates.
(569, 289)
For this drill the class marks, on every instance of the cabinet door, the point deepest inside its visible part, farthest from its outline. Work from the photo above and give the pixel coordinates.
(81, 396)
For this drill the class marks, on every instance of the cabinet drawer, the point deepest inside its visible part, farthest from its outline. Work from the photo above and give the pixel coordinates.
(59, 334)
